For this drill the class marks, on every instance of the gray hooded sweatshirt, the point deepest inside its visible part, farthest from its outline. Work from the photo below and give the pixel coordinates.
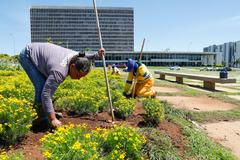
(53, 62)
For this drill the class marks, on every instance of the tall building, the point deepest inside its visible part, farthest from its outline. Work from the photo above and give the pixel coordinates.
(227, 53)
(75, 27)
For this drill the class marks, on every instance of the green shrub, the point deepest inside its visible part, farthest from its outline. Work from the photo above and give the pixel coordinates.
(69, 142)
(116, 95)
(18, 87)
(11, 156)
(154, 111)
(16, 92)
(8, 73)
(124, 143)
(88, 101)
(124, 107)
(87, 95)
(15, 119)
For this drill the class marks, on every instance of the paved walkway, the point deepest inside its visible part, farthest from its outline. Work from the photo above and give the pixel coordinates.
(226, 133)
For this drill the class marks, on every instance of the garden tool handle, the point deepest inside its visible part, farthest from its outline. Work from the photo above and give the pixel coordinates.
(103, 58)
(135, 81)
(140, 56)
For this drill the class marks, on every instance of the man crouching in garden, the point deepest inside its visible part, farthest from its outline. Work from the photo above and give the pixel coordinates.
(47, 65)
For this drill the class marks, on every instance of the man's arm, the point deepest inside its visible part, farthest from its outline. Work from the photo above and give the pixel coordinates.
(128, 83)
(52, 82)
(97, 55)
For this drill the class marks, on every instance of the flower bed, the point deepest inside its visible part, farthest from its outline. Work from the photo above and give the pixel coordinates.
(80, 142)
(15, 119)
(88, 95)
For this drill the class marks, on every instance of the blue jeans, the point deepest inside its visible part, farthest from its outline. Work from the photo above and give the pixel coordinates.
(37, 78)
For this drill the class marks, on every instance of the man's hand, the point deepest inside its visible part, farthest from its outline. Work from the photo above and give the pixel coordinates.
(101, 52)
(56, 123)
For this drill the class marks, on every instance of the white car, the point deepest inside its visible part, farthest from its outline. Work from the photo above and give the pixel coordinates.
(175, 68)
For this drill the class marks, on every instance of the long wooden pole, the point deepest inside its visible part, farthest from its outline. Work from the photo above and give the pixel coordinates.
(104, 64)
(135, 81)
(140, 56)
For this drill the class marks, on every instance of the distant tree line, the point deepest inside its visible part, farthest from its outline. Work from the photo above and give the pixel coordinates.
(8, 62)
(8, 58)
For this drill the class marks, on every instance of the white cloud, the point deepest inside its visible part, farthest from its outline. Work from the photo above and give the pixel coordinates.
(234, 18)
(232, 21)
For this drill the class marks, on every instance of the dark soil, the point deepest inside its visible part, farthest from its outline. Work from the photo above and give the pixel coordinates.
(175, 133)
(30, 145)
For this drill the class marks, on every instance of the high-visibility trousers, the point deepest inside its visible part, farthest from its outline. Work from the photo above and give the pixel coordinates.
(144, 89)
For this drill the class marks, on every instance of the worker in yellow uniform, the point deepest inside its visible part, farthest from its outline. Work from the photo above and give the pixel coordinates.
(138, 71)
(115, 70)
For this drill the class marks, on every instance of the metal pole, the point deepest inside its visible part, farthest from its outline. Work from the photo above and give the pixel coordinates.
(104, 64)
(135, 81)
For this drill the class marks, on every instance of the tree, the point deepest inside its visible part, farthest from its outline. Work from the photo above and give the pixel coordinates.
(237, 62)
(15, 58)
(49, 40)
(87, 49)
(4, 56)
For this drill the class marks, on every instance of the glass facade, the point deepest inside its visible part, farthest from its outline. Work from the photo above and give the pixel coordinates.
(75, 27)
(161, 58)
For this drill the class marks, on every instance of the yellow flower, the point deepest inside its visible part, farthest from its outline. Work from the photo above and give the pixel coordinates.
(122, 156)
(1, 128)
(83, 151)
(87, 135)
(47, 154)
(94, 156)
(33, 114)
(98, 129)
(29, 125)
(76, 145)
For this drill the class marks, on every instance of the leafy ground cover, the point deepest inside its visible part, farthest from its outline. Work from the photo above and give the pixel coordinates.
(171, 137)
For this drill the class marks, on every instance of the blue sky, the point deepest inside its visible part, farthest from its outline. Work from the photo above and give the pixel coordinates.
(180, 25)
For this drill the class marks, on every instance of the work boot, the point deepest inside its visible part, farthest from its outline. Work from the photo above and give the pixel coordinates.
(40, 125)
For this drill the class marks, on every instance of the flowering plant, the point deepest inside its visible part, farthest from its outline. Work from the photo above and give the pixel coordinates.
(15, 119)
(11, 156)
(124, 143)
(124, 107)
(80, 142)
(154, 111)
(69, 142)
(16, 86)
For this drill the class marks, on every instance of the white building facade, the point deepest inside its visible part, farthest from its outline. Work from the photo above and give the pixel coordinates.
(226, 54)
